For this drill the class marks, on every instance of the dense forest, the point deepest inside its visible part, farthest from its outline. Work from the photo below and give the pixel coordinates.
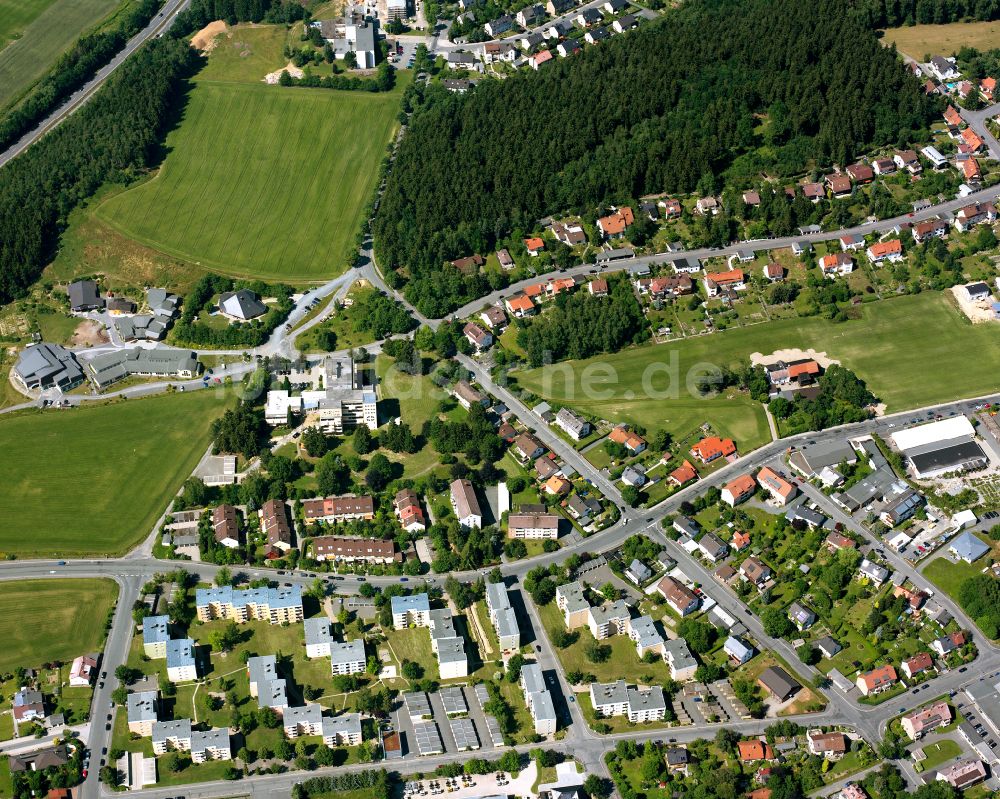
(72, 70)
(778, 88)
(893, 13)
(112, 138)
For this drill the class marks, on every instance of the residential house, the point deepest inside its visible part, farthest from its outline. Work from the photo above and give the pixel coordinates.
(963, 774)
(943, 68)
(972, 140)
(739, 490)
(625, 23)
(918, 723)
(536, 61)
(932, 228)
(82, 670)
(480, 339)
(947, 644)
(410, 611)
(716, 282)
(530, 16)
(470, 263)
(754, 750)
(678, 596)
(712, 547)
(713, 447)
(330, 510)
(632, 442)
(829, 745)
(534, 245)
(852, 242)
(840, 185)
(781, 491)
(908, 160)
(226, 526)
(499, 26)
(686, 527)
(778, 683)
(873, 571)
(773, 272)
(891, 250)
(917, 664)
(707, 206)
(568, 48)
(615, 225)
(836, 264)
(971, 171)
(468, 396)
(683, 474)
(527, 447)
(557, 486)
(241, 305)
(828, 646)
(974, 214)
(275, 525)
(756, 572)
(598, 287)
(354, 549)
(877, 680)
(84, 296)
(860, 173)
(406, 506)
(597, 35)
(533, 526)
(801, 616)
(587, 17)
(739, 651)
(575, 426)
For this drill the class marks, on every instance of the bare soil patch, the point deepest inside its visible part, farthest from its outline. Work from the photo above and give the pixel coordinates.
(205, 39)
(273, 77)
(89, 333)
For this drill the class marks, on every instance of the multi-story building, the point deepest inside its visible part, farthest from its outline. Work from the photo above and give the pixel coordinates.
(338, 509)
(642, 630)
(171, 735)
(143, 712)
(410, 611)
(538, 699)
(342, 730)
(211, 744)
(407, 508)
(304, 720)
(926, 719)
(681, 598)
(679, 658)
(155, 635)
(533, 526)
(265, 686)
(576, 427)
(352, 550)
(274, 605)
(503, 617)
(448, 645)
(348, 657)
(572, 601)
(465, 504)
(226, 526)
(607, 620)
(340, 402)
(617, 699)
(181, 663)
(319, 637)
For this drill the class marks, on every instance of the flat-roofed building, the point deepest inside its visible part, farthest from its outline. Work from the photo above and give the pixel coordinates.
(571, 600)
(410, 611)
(143, 711)
(448, 645)
(538, 699)
(642, 630)
(171, 735)
(343, 730)
(319, 637)
(261, 669)
(275, 605)
(155, 635)
(418, 706)
(303, 720)
(181, 663)
(618, 699)
(503, 618)
(609, 619)
(679, 658)
(211, 744)
(348, 657)
(428, 739)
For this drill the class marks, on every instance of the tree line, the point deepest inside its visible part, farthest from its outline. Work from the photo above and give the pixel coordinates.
(111, 139)
(73, 70)
(666, 108)
(194, 332)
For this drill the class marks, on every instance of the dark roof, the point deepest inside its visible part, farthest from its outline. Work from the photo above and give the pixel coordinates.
(953, 456)
(83, 295)
(778, 681)
(42, 759)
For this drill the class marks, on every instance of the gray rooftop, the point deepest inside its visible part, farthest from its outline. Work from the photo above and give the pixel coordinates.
(532, 678)
(415, 603)
(262, 669)
(347, 652)
(165, 730)
(609, 693)
(611, 611)
(180, 652)
(217, 738)
(347, 725)
(318, 631)
(306, 714)
(464, 732)
(46, 365)
(680, 656)
(155, 629)
(141, 706)
(272, 693)
(417, 704)
(428, 739)
(453, 700)
(110, 367)
(646, 699)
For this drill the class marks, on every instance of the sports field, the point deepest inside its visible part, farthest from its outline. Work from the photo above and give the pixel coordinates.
(41, 31)
(262, 181)
(71, 612)
(912, 351)
(93, 480)
(918, 41)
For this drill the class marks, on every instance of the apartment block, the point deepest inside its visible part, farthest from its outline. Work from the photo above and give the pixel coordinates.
(503, 618)
(410, 611)
(274, 605)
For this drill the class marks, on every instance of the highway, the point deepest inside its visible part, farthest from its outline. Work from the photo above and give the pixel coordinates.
(156, 27)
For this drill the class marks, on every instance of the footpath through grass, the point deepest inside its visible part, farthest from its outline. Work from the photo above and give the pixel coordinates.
(263, 181)
(93, 480)
(895, 347)
(71, 613)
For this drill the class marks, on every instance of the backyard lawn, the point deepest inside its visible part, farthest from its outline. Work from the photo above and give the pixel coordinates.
(93, 480)
(72, 612)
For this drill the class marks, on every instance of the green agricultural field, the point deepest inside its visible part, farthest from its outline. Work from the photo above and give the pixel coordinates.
(41, 31)
(262, 181)
(918, 41)
(894, 347)
(71, 611)
(93, 480)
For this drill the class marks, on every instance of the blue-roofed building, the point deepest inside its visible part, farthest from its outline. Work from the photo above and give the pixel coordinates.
(968, 547)
(413, 610)
(155, 635)
(274, 605)
(181, 664)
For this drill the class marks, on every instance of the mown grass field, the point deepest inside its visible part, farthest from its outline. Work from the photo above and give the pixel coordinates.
(41, 31)
(912, 351)
(262, 181)
(918, 41)
(70, 611)
(93, 480)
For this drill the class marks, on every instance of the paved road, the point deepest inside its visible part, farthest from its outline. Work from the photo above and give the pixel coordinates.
(156, 27)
